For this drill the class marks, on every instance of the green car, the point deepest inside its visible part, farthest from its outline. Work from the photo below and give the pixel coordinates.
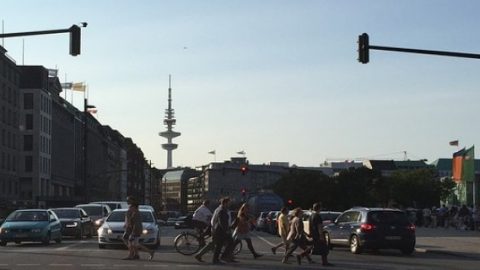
(31, 225)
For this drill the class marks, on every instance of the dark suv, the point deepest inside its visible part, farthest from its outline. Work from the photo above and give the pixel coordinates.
(372, 228)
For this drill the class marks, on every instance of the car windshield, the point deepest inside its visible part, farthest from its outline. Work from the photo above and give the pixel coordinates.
(119, 216)
(67, 213)
(388, 217)
(93, 210)
(28, 216)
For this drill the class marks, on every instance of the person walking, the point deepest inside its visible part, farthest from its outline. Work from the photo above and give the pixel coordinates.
(298, 238)
(283, 227)
(241, 226)
(133, 225)
(320, 246)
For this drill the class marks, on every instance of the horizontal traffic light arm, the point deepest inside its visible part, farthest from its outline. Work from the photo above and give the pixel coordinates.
(443, 53)
(34, 33)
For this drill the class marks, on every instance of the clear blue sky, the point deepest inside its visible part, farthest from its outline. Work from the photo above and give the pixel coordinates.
(278, 79)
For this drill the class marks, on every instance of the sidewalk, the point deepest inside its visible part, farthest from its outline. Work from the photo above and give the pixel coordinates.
(449, 241)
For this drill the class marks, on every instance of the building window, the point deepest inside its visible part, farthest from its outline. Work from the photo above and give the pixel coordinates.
(29, 121)
(28, 101)
(27, 142)
(28, 163)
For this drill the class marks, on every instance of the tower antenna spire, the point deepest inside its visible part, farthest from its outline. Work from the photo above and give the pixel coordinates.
(169, 121)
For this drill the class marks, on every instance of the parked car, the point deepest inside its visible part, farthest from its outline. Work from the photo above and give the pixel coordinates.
(75, 222)
(261, 221)
(97, 212)
(271, 225)
(372, 228)
(113, 204)
(184, 222)
(171, 221)
(112, 230)
(146, 207)
(32, 225)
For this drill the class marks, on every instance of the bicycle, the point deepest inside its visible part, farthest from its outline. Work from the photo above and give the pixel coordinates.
(188, 243)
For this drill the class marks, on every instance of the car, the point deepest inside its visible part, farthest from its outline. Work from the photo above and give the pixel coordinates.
(328, 217)
(184, 222)
(372, 228)
(271, 225)
(113, 204)
(97, 212)
(112, 230)
(31, 225)
(1, 221)
(75, 222)
(261, 221)
(146, 207)
(171, 221)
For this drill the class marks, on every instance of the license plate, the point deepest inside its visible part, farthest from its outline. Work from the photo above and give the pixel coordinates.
(21, 235)
(393, 237)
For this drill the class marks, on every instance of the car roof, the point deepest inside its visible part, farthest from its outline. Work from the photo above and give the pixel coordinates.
(91, 204)
(125, 210)
(66, 208)
(30, 210)
(374, 209)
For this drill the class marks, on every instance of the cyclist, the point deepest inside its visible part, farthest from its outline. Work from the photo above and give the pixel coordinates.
(201, 221)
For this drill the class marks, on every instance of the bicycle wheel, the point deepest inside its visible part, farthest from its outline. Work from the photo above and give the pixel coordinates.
(187, 243)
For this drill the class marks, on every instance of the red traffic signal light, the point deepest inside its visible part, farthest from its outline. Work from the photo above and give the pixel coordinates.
(290, 201)
(244, 169)
(243, 191)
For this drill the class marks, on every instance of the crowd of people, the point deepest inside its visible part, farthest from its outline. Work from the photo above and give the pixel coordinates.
(227, 231)
(460, 218)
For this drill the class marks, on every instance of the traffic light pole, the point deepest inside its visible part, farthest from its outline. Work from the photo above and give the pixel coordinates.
(364, 50)
(443, 53)
(74, 31)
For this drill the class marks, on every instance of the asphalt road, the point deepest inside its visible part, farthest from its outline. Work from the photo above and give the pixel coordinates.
(74, 254)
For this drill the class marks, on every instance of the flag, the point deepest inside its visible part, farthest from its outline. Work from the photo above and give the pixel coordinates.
(468, 170)
(212, 152)
(91, 109)
(241, 152)
(457, 165)
(67, 85)
(52, 72)
(78, 87)
(453, 143)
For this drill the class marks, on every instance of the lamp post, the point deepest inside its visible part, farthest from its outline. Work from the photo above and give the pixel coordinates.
(86, 108)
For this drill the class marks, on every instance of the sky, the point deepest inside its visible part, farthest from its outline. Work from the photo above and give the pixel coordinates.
(277, 79)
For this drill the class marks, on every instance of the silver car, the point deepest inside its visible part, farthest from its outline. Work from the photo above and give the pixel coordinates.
(111, 232)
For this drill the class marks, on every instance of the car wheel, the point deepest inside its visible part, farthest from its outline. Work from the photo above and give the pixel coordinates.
(101, 246)
(3, 243)
(408, 250)
(80, 234)
(46, 239)
(327, 241)
(355, 247)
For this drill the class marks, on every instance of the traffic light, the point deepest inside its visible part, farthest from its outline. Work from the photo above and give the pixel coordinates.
(244, 192)
(244, 169)
(75, 40)
(363, 48)
(290, 202)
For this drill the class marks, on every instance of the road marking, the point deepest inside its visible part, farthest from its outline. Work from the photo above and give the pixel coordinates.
(92, 265)
(61, 264)
(124, 265)
(264, 240)
(155, 265)
(28, 264)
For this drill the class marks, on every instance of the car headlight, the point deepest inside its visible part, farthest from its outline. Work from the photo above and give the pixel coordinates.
(72, 225)
(36, 230)
(99, 222)
(147, 231)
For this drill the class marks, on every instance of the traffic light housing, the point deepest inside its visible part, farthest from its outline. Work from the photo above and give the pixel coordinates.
(244, 169)
(75, 40)
(290, 202)
(244, 192)
(363, 48)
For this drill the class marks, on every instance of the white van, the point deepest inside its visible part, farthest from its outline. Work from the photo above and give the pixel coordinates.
(114, 204)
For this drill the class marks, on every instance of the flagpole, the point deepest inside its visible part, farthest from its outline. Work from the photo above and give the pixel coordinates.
(65, 88)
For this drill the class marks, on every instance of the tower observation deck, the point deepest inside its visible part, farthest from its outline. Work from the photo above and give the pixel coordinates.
(169, 121)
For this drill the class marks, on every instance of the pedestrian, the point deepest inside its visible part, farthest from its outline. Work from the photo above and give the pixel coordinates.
(201, 221)
(298, 238)
(241, 226)
(221, 233)
(283, 227)
(134, 229)
(320, 246)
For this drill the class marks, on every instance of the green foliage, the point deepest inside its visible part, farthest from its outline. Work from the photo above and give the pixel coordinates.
(363, 187)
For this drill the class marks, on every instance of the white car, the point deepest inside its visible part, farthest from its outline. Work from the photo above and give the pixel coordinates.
(111, 232)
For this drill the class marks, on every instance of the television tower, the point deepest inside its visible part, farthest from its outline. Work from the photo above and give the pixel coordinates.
(169, 122)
